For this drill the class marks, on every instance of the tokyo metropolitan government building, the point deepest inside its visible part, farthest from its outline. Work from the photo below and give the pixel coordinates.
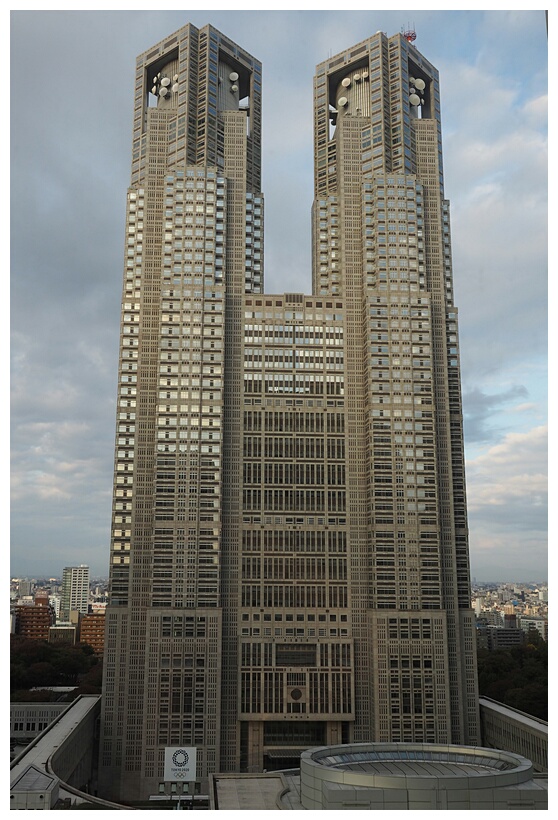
(289, 555)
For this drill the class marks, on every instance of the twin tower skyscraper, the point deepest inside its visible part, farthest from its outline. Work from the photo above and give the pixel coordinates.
(289, 554)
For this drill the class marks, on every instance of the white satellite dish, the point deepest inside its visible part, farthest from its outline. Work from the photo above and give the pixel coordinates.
(234, 88)
(343, 101)
(175, 78)
(412, 80)
(165, 82)
(175, 87)
(364, 74)
(154, 89)
(346, 82)
(414, 99)
(163, 92)
(233, 76)
(420, 84)
(357, 78)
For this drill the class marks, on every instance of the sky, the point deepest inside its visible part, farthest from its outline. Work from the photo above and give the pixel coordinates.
(72, 77)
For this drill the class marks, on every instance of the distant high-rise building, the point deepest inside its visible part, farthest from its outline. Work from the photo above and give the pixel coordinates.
(54, 601)
(25, 587)
(289, 558)
(75, 591)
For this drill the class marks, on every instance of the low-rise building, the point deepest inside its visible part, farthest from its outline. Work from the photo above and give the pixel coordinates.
(514, 731)
(62, 633)
(418, 776)
(539, 625)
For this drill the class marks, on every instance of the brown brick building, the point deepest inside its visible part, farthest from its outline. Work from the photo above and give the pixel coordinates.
(34, 620)
(92, 631)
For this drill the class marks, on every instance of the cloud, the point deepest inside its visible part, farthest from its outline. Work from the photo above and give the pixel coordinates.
(496, 179)
(507, 502)
(479, 408)
(74, 73)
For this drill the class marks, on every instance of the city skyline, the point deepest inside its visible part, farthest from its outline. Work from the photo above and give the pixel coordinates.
(58, 463)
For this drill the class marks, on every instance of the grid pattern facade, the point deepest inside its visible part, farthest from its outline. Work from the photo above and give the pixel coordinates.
(33, 621)
(75, 591)
(289, 561)
(382, 238)
(506, 728)
(194, 214)
(296, 659)
(92, 631)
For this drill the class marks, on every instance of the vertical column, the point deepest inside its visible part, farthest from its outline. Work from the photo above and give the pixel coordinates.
(235, 138)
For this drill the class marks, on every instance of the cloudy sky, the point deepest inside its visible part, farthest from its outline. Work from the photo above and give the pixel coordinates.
(71, 86)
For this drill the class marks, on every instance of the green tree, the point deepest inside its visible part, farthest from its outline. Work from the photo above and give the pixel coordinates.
(38, 663)
(517, 677)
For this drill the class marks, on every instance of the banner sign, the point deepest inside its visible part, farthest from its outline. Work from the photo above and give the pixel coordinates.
(180, 763)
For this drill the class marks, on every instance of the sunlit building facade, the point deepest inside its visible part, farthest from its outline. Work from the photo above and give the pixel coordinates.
(75, 591)
(289, 559)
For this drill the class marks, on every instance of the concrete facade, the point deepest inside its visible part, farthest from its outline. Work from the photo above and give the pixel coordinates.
(513, 731)
(289, 556)
(27, 720)
(75, 591)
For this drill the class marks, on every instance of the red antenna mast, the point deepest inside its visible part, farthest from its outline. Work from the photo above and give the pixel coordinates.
(410, 34)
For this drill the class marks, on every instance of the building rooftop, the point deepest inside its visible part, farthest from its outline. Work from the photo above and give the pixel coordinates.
(40, 750)
(33, 779)
(515, 714)
(249, 791)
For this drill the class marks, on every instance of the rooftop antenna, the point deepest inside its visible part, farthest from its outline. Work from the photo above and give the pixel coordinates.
(410, 34)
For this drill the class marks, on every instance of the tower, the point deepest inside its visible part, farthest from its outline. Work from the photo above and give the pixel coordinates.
(75, 591)
(381, 232)
(194, 246)
(289, 559)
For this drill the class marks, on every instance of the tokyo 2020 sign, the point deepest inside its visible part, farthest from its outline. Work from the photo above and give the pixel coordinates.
(180, 763)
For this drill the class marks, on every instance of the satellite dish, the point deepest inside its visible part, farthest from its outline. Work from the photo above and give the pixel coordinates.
(364, 74)
(165, 81)
(346, 82)
(233, 76)
(357, 78)
(412, 80)
(414, 99)
(343, 101)
(175, 87)
(154, 89)
(420, 84)
(163, 92)
(175, 78)
(154, 79)
(234, 88)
